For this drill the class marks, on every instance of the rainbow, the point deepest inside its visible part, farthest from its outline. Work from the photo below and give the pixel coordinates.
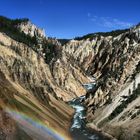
(34, 128)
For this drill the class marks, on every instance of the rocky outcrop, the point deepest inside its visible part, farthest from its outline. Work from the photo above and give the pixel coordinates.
(30, 29)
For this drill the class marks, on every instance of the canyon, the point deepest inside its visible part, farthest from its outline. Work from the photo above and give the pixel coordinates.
(40, 75)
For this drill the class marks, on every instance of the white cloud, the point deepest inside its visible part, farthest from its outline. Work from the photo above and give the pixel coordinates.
(110, 22)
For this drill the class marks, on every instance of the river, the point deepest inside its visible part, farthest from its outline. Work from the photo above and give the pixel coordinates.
(78, 128)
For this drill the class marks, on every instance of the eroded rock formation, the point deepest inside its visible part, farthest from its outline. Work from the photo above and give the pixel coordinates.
(113, 61)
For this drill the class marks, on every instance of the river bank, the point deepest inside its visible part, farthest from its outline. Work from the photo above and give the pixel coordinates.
(79, 130)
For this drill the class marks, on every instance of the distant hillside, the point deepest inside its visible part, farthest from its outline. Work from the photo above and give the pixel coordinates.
(63, 41)
(111, 33)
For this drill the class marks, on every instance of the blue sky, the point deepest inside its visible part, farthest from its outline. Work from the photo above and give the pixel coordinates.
(71, 18)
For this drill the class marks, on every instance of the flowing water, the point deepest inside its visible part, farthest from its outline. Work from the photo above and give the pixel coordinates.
(78, 128)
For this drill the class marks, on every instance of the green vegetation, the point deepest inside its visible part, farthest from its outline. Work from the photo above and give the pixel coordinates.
(51, 49)
(112, 33)
(63, 41)
(8, 26)
(135, 114)
(124, 104)
(137, 70)
(138, 67)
